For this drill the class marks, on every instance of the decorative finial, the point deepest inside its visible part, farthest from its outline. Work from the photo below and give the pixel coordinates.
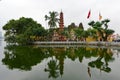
(61, 10)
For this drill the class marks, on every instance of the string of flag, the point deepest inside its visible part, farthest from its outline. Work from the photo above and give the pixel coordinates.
(89, 14)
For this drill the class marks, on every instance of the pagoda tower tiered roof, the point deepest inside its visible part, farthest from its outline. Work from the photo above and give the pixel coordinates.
(61, 23)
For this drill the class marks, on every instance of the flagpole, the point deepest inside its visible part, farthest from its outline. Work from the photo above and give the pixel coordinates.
(100, 16)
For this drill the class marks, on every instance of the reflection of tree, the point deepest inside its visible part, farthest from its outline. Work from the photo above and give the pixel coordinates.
(106, 55)
(71, 54)
(60, 54)
(82, 52)
(23, 57)
(52, 69)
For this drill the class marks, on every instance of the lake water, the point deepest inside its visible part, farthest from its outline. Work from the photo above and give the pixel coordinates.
(58, 63)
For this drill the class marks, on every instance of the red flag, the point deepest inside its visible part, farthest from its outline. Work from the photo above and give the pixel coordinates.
(89, 14)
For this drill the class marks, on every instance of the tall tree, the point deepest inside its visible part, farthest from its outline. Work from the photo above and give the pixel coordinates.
(81, 26)
(78, 33)
(102, 28)
(19, 31)
(52, 19)
(71, 26)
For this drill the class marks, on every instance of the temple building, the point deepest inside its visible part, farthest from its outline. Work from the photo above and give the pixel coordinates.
(58, 36)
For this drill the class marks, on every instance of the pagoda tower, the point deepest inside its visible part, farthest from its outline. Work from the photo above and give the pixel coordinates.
(61, 28)
(61, 23)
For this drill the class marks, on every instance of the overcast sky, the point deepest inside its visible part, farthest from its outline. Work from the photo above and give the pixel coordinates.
(74, 11)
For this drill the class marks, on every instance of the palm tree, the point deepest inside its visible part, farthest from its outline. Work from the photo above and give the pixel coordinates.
(85, 34)
(78, 33)
(52, 19)
(52, 69)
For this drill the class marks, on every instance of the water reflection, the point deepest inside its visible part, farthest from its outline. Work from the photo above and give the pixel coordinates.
(24, 57)
(53, 69)
(101, 62)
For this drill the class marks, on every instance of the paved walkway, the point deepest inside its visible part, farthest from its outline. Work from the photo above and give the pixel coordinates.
(117, 44)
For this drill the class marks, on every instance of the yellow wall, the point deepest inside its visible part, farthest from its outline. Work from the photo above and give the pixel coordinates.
(110, 39)
(90, 39)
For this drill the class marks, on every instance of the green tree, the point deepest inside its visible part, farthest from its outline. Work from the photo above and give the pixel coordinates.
(81, 26)
(52, 19)
(85, 34)
(19, 31)
(102, 28)
(105, 22)
(78, 33)
(71, 26)
(106, 30)
(92, 33)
